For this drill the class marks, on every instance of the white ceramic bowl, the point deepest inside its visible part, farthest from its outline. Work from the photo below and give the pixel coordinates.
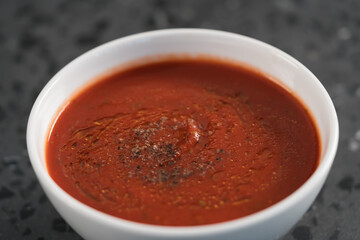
(270, 223)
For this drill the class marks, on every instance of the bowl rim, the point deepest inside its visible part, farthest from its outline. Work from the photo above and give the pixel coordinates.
(201, 230)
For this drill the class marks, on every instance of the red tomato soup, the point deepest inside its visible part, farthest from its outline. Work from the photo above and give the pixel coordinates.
(182, 142)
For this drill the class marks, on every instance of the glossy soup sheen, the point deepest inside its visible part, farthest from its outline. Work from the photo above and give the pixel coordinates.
(182, 142)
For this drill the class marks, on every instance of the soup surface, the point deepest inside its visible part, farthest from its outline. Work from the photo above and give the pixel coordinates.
(182, 142)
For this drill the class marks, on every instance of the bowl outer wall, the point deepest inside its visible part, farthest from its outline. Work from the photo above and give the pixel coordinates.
(267, 224)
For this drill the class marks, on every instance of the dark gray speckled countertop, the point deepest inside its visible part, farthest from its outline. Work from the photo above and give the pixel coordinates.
(37, 38)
